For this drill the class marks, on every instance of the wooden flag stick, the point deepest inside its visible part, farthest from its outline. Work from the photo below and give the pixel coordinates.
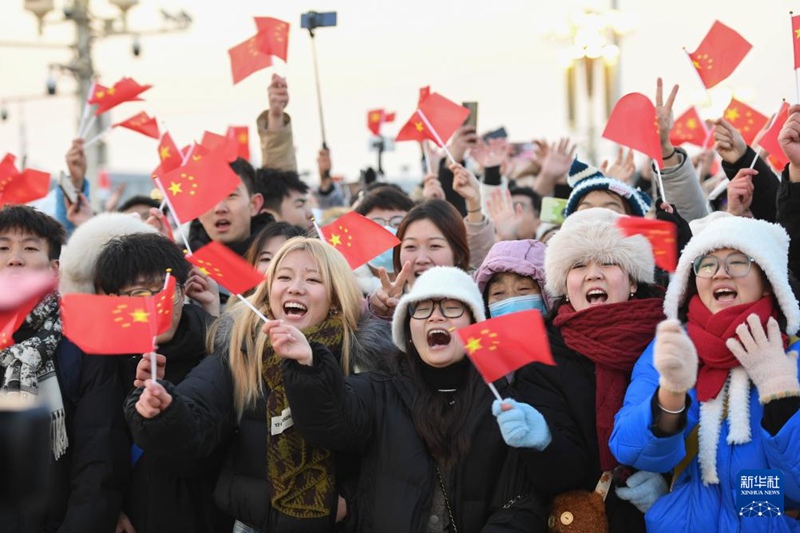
(494, 391)
(252, 308)
(660, 184)
(97, 137)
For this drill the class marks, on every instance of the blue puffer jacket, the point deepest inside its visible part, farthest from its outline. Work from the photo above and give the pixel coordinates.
(692, 506)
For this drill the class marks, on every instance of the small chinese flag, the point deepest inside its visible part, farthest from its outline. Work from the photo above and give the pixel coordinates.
(689, 128)
(21, 187)
(200, 184)
(769, 141)
(141, 123)
(718, 55)
(633, 123)
(109, 325)
(248, 57)
(358, 238)
(796, 40)
(240, 135)
(226, 268)
(211, 141)
(443, 115)
(424, 92)
(375, 118)
(168, 153)
(745, 119)
(504, 344)
(662, 235)
(164, 305)
(106, 98)
(19, 294)
(273, 36)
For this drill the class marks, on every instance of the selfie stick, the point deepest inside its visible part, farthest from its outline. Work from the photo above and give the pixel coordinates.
(319, 93)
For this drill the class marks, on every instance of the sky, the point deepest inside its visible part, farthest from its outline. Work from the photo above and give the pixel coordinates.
(502, 54)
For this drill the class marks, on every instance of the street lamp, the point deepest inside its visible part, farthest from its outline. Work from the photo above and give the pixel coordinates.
(88, 29)
(592, 51)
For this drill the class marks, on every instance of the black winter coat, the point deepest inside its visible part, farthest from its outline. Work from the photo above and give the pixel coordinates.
(565, 395)
(87, 482)
(765, 184)
(202, 418)
(371, 414)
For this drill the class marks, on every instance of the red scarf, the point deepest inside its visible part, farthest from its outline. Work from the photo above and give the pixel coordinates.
(710, 331)
(612, 336)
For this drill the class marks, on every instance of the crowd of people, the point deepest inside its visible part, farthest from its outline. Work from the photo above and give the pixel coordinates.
(354, 406)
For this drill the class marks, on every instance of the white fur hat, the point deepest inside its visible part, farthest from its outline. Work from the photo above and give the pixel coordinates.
(438, 282)
(79, 256)
(592, 235)
(767, 243)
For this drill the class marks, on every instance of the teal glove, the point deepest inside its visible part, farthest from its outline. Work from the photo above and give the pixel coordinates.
(522, 426)
(643, 489)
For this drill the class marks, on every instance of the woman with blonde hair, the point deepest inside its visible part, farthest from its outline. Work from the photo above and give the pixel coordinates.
(236, 397)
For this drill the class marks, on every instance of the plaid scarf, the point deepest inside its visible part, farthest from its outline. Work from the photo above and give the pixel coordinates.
(29, 370)
(301, 476)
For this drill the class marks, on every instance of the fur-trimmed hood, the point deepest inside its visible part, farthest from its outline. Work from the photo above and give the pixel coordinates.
(767, 243)
(592, 235)
(79, 256)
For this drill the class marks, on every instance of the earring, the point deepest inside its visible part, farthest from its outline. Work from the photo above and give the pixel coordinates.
(631, 295)
(566, 299)
(333, 311)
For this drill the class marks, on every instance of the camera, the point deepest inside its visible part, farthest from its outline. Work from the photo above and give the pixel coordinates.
(136, 46)
(312, 20)
(51, 84)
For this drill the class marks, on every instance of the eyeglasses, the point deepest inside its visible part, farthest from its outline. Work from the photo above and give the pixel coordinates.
(449, 308)
(737, 265)
(393, 222)
(138, 293)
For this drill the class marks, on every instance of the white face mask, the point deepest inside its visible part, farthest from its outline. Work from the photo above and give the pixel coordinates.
(516, 304)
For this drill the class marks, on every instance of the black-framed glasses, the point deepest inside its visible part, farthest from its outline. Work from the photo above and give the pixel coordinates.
(448, 307)
(393, 222)
(736, 264)
(138, 293)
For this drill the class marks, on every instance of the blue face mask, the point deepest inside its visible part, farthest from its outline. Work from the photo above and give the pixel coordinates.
(516, 304)
(386, 259)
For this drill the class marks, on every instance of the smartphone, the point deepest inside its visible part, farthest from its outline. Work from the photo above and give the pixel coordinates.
(472, 118)
(312, 20)
(553, 210)
(66, 186)
(522, 149)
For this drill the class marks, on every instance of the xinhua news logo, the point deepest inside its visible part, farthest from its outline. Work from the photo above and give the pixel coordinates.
(760, 493)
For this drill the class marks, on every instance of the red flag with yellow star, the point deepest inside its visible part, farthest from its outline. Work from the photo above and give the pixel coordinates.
(769, 141)
(745, 119)
(504, 344)
(689, 128)
(443, 115)
(141, 123)
(248, 57)
(273, 36)
(19, 294)
(226, 268)
(106, 98)
(633, 123)
(168, 153)
(200, 184)
(663, 237)
(240, 135)
(718, 55)
(375, 118)
(358, 238)
(165, 304)
(109, 325)
(21, 187)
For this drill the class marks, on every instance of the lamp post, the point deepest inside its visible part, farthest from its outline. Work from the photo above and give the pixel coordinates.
(88, 29)
(593, 53)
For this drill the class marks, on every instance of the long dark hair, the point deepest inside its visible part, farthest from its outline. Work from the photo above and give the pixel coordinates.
(445, 217)
(441, 425)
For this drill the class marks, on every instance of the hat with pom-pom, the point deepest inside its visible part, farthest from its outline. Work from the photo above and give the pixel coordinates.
(585, 178)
